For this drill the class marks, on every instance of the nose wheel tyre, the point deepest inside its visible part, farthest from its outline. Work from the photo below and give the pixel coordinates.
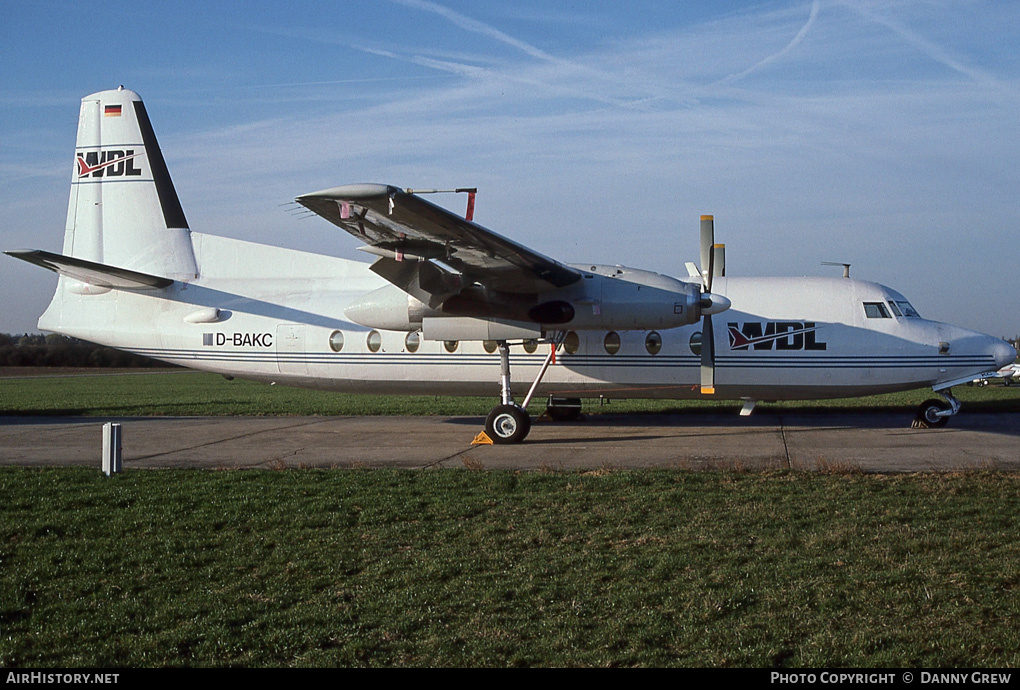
(507, 424)
(928, 415)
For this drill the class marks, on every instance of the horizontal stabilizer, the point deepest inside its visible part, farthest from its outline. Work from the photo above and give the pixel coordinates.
(91, 272)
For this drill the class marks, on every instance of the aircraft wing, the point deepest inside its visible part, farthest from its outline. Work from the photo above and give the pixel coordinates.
(403, 227)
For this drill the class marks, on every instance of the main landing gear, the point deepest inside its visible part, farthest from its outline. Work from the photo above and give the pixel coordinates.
(935, 413)
(509, 422)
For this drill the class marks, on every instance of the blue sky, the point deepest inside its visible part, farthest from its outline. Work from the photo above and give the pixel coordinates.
(885, 134)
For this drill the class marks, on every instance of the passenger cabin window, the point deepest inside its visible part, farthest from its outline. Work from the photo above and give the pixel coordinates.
(572, 343)
(876, 310)
(413, 341)
(336, 341)
(696, 343)
(612, 342)
(374, 341)
(653, 343)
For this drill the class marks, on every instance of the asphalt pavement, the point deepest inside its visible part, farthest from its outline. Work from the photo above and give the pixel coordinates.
(826, 441)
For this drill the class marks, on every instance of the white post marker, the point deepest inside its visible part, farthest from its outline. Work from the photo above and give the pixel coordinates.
(111, 448)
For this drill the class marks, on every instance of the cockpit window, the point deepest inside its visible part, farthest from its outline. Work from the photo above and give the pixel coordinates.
(908, 310)
(895, 310)
(876, 310)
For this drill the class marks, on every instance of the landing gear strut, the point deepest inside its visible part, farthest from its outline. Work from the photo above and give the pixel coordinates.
(935, 413)
(509, 422)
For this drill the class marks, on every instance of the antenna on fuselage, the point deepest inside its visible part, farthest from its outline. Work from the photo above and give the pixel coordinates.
(846, 267)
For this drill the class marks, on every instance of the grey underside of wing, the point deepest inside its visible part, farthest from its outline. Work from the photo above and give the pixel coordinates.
(387, 218)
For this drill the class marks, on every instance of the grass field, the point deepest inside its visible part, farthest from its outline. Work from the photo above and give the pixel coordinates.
(469, 568)
(306, 567)
(195, 393)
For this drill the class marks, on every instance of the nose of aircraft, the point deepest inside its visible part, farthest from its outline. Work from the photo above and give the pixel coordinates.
(966, 342)
(1003, 352)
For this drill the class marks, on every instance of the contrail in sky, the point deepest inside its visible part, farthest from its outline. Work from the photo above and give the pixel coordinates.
(782, 53)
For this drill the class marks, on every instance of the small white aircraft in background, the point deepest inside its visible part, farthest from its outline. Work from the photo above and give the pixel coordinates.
(1010, 375)
(444, 301)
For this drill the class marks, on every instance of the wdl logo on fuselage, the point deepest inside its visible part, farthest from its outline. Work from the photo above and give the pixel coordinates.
(779, 335)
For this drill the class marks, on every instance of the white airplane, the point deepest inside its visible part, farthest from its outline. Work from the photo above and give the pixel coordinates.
(444, 301)
(1010, 374)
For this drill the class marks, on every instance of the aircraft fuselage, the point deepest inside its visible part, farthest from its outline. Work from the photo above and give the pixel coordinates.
(789, 338)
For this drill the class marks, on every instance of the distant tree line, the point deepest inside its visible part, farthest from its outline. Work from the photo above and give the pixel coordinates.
(55, 350)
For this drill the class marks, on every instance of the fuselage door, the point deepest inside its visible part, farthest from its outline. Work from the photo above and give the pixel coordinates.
(291, 353)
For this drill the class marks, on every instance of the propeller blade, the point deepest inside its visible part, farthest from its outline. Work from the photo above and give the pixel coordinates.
(713, 263)
(719, 260)
(707, 242)
(707, 356)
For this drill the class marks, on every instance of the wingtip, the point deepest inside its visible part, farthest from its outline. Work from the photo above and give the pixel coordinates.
(363, 190)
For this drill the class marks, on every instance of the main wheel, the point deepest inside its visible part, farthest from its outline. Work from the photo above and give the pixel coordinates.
(928, 412)
(507, 424)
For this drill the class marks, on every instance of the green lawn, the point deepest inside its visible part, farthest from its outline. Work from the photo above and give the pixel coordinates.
(468, 568)
(492, 568)
(195, 393)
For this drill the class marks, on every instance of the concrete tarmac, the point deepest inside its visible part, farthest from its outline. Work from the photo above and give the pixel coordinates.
(826, 441)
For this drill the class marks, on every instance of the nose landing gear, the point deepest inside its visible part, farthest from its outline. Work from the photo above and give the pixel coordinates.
(935, 413)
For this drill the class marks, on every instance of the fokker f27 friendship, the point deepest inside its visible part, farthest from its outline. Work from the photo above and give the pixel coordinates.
(445, 301)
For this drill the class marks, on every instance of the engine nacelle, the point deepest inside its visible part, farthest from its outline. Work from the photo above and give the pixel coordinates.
(611, 299)
(619, 298)
(389, 309)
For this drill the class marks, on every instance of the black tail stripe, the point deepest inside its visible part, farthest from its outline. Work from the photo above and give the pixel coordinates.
(173, 214)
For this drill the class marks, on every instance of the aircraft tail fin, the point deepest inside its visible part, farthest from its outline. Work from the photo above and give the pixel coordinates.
(123, 210)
